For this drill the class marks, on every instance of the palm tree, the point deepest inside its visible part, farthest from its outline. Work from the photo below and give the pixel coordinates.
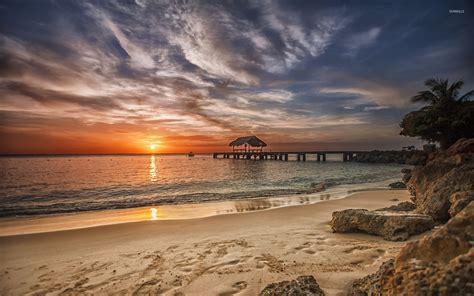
(446, 118)
(440, 92)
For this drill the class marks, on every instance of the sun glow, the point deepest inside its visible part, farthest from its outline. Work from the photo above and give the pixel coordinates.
(154, 213)
(153, 146)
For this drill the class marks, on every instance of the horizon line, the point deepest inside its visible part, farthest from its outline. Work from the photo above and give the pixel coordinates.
(93, 154)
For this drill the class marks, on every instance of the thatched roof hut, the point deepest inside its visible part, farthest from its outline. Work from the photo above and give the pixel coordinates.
(251, 141)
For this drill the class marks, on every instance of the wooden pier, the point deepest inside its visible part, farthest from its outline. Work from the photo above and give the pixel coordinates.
(284, 156)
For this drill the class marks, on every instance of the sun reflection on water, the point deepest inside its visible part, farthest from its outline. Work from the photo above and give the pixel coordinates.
(154, 213)
(153, 177)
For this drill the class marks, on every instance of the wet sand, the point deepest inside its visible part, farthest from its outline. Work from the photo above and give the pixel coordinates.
(220, 255)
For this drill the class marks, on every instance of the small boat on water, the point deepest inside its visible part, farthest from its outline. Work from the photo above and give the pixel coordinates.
(191, 154)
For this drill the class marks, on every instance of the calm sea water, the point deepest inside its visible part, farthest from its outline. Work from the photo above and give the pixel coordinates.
(48, 185)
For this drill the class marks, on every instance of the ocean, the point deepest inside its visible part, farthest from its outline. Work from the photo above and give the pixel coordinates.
(44, 185)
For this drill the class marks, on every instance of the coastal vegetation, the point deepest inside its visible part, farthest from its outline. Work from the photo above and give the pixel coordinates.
(448, 116)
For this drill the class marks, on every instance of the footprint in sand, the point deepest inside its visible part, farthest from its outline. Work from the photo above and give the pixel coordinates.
(272, 262)
(240, 285)
(303, 246)
(147, 287)
(236, 288)
(367, 257)
(306, 247)
(171, 248)
(356, 248)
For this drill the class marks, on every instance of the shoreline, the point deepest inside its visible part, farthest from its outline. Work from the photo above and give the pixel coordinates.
(241, 253)
(30, 224)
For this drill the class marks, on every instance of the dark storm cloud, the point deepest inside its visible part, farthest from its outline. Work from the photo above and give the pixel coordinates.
(230, 67)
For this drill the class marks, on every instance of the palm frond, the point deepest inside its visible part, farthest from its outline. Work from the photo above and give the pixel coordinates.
(432, 82)
(466, 96)
(438, 86)
(453, 90)
(444, 87)
(425, 96)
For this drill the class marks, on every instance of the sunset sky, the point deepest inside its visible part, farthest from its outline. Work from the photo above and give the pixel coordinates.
(118, 76)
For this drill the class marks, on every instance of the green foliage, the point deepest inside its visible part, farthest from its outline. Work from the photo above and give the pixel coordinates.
(446, 118)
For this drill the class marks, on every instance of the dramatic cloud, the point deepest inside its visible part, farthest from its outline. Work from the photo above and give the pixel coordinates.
(114, 76)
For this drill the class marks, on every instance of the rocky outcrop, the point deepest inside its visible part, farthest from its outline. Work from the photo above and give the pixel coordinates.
(443, 186)
(441, 263)
(391, 225)
(459, 201)
(438, 264)
(397, 185)
(302, 286)
(374, 284)
(454, 238)
(406, 175)
(404, 206)
(414, 157)
(462, 146)
(405, 171)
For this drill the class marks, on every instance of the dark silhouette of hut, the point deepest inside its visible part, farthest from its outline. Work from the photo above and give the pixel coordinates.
(250, 142)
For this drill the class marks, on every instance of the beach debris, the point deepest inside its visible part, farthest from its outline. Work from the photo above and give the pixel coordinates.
(391, 225)
(397, 185)
(441, 263)
(302, 286)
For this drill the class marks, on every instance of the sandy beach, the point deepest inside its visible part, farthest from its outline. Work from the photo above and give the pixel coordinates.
(219, 255)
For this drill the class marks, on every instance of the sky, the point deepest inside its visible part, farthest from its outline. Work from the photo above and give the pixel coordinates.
(119, 76)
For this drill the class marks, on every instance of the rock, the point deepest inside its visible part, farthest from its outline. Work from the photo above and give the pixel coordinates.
(405, 171)
(397, 185)
(429, 148)
(302, 286)
(406, 178)
(373, 283)
(416, 159)
(438, 264)
(449, 241)
(462, 146)
(393, 226)
(404, 206)
(420, 278)
(434, 185)
(459, 201)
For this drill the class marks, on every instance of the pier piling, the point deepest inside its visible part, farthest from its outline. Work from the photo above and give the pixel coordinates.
(283, 156)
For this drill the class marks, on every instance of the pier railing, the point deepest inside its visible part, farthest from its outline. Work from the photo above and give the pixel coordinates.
(284, 156)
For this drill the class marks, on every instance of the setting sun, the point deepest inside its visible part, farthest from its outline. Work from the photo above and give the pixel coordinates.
(152, 146)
